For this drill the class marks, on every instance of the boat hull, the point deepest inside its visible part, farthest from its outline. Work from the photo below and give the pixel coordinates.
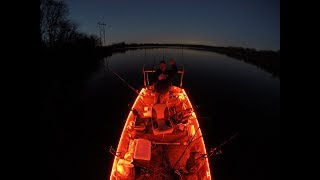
(161, 140)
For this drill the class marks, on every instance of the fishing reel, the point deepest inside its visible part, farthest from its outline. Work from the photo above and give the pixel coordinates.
(217, 152)
(214, 151)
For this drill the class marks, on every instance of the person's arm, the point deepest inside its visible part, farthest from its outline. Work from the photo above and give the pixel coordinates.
(173, 71)
(155, 76)
(174, 68)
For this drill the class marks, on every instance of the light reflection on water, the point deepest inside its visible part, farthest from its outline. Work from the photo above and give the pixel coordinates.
(232, 95)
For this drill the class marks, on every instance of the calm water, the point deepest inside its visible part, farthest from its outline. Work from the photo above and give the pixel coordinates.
(87, 114)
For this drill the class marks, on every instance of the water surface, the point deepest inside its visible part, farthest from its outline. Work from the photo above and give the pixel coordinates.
(230, 95)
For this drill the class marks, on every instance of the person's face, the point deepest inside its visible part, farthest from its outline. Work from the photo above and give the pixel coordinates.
(162, 66)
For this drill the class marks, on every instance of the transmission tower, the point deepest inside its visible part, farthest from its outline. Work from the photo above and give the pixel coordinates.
(102, 33)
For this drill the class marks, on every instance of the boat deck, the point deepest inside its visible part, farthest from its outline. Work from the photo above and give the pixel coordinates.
(176, 151)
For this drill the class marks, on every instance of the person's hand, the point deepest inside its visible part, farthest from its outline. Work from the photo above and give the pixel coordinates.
(162, 76)
(171, 61)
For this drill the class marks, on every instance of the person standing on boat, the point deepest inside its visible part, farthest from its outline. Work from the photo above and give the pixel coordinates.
(163, 80)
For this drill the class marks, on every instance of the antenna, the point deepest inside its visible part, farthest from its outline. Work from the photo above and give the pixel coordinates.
(163, 53)
(182, 51)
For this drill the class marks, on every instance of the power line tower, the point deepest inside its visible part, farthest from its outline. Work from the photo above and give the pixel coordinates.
(102, 33)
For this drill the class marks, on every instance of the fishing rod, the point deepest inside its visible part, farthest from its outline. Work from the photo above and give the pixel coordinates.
(188, 145)
(154, 63)
(163, 54)
(217, 150)
(136, 91)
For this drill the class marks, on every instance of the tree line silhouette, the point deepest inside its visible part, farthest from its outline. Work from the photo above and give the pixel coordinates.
(266, 60)
(57, 31)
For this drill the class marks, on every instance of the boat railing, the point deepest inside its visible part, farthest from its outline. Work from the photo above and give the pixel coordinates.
(146, 73)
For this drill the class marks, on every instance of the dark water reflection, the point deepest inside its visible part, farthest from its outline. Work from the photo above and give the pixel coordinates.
(231, 96)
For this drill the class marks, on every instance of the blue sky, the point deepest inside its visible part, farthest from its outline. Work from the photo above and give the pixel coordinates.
(245, 23)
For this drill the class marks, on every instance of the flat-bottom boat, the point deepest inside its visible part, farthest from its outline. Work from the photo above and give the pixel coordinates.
(161, 140)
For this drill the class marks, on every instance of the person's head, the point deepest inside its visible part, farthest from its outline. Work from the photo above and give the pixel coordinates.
(162, 65)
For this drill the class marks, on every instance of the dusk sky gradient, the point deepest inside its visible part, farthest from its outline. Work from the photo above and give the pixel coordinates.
(245, 23)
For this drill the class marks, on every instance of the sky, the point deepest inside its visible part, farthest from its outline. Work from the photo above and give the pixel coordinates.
(242, 23)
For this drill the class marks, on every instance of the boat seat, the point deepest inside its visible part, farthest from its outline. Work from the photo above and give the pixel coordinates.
(140, 124)
(150, 99)
(161, 123)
